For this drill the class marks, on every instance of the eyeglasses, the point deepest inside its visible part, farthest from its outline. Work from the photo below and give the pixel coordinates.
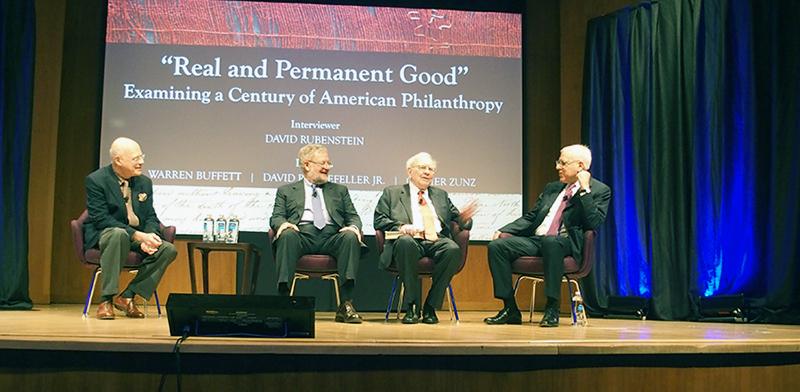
(426, 167)
(328, 164)
(138, 158)
(564, 163)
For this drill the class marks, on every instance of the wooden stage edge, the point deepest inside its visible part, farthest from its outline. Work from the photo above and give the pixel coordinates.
(61, 328)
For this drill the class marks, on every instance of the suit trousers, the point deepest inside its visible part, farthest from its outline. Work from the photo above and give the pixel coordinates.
(115, 244)
(552, 249)
(291, 245)
(446, 256)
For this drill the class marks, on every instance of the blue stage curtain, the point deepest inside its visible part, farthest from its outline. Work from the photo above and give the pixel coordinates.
(691, 110)
(17, 35)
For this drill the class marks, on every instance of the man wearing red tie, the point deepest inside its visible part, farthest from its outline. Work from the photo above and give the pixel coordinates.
(421, 214)
(553, 229)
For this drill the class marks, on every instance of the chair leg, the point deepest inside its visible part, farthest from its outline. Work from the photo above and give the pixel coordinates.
(534, 282)
(158, 303)
(294, 282)
(452, 299)
(335, 279)
(391, 297)
(516, 284)
(400, 300)
(88, 303)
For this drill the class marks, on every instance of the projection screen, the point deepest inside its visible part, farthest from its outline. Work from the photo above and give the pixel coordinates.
(221, 95)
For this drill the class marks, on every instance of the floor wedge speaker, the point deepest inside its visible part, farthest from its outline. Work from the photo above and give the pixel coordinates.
(265, 316)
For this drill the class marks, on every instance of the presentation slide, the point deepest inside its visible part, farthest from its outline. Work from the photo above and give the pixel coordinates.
(222, 94)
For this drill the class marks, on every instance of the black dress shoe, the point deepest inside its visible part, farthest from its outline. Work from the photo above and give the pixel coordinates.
(507, 315)
(347, 314)
(550, 318)
(429, 314)
(412, 314)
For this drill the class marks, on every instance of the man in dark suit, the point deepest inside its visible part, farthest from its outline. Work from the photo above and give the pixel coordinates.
(121, 218)
(421, 214)
(553, 229)
(316, 216)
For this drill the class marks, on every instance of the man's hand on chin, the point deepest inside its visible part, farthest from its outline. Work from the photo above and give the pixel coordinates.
(584, 178)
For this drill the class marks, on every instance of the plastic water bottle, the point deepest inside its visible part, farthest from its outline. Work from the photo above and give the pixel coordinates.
(580, 310)
(233, 230)
(208, 229)
(221, 229)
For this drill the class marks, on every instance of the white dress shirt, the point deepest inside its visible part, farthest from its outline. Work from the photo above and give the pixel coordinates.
(548, 220)
(308, 212)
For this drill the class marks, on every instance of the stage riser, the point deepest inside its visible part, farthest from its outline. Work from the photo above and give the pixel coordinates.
(80, 371)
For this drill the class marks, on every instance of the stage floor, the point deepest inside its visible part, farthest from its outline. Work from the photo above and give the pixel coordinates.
(60, 327)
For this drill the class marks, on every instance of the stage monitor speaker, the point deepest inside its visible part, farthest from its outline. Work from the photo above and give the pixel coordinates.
(627, 307)
(240, 315)
(725, 308)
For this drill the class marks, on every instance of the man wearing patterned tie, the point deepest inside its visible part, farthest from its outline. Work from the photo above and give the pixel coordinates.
(553, 229)
(316, 216)
(421, 214)
(119, 200)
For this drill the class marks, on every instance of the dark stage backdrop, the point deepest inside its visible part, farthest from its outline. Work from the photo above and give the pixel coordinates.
(692, 109)
(16, 87)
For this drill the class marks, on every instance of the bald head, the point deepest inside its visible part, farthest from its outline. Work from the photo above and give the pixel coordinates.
(122, 145)
(127, 159)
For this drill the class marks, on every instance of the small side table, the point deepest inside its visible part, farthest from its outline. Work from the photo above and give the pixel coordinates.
(250, 253)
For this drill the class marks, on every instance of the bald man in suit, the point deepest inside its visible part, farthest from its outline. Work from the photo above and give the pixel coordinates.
(119, 200)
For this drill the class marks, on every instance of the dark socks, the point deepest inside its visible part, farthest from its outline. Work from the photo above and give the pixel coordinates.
(510, 302)
(283, 289)
(346, 290)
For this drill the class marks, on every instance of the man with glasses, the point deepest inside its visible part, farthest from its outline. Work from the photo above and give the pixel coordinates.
(419, 215)
(553, 229)
(119, 200)
(316, 216)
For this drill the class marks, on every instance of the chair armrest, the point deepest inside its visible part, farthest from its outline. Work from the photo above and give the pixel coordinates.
(169, 233)
(77, 238)
(380, 239)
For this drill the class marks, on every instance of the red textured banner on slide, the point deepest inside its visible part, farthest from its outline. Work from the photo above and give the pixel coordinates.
(314, 26)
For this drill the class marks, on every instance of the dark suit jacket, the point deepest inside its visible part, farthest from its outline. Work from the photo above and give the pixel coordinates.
(107, 207)
(586, 212)
(394, 210)
(291, 198)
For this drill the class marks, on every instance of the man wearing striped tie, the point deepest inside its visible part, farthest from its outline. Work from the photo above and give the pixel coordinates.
(421, 214)
(119, 200)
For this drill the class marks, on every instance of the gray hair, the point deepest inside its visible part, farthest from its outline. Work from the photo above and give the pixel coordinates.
(417, 158)
(307, 151)
(579, 152)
